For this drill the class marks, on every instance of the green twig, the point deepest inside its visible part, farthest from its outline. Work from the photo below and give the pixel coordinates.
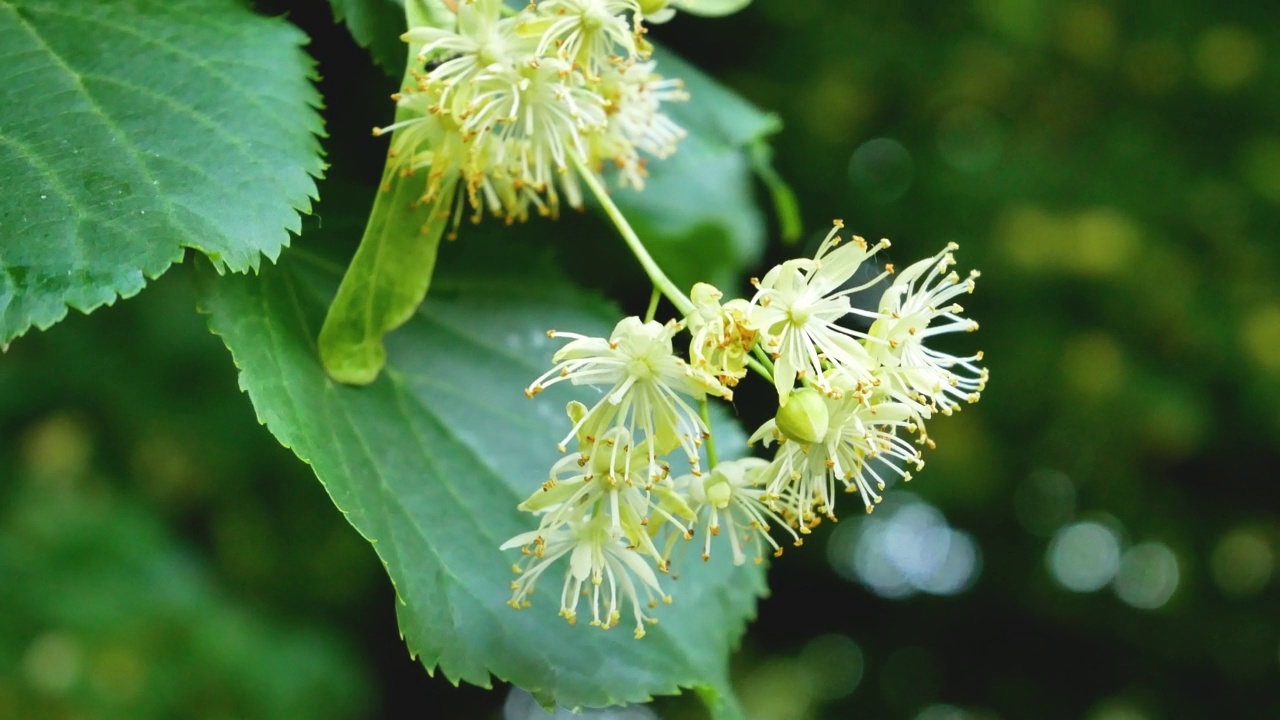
(653, 304)
(659, 278)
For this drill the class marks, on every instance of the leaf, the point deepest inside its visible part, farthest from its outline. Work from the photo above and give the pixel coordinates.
(430, 460)
(130, 130)
(376, 25)
(698, 213)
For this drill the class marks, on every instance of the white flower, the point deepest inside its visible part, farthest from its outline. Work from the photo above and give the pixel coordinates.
(528, 125)
(425, 141)
(721, 337)
(860, 437)
(602, 566)
(636, 123)
(916, 308)
(593, 34)
(797, 308)
(610, 476)
(731, 496)
(481, 41)
(517, 107)
(649, 389)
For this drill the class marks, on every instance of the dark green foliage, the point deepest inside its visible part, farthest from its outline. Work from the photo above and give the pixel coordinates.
(131, 130)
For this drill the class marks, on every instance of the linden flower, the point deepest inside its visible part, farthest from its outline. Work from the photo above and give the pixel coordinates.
(425, 141)
(518, 107)
(588, 33)
(722, 339)
(797, 308)
(731, 493)
(914, 309)
(801, 479)
(650, 390)
(602, 566)
(481, 41)
(529, 124)
(636, 124)
(608, 476)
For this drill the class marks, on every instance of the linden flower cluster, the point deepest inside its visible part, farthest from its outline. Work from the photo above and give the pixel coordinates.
(513, 106)
(852, 409)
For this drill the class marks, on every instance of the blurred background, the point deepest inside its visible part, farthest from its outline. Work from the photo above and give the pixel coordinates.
(1096, 539)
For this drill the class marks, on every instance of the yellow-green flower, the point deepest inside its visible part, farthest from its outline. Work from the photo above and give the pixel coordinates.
(860, 448)
(649, 391)
(797, 308)
(731, 497)
(602, 566)
(918, 307)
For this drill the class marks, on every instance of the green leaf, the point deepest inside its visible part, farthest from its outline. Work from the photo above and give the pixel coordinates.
(698, 213)
(130, 130)
(430, 460)
(376, 25)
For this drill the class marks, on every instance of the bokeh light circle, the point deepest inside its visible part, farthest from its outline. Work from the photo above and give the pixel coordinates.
(881, 170)
(1148, 575)
(1084, 557)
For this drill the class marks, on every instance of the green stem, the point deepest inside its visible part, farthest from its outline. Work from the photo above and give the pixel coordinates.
(711, 438)
(760, 369)
(653, 304)
(763, 357)
(659, 278)
(761, 363)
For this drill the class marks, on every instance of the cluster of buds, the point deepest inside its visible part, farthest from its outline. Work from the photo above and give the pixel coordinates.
(852, 409)
(512, 106)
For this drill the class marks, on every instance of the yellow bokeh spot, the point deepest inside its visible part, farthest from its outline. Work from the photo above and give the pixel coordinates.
(57, 447)
(1260, 335)
(1106, 241)
(1093, 365)
(1094, 242)
(1242, 562)
(1024, 21)
(1261, 161)
(845, 104)
(119, 673)
(1228, 57)
(1032, 237)
(1087, 31)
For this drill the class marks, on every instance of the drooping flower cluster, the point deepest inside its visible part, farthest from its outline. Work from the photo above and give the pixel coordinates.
(855, 388)
(511, 108)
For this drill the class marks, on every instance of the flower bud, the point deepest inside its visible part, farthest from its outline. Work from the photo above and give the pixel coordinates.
(652, 7)
(719, 491)
(804, 417)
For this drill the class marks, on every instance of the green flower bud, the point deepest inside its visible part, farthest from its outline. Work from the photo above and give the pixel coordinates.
(804, 417)
(719, 491)
(652, 7)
